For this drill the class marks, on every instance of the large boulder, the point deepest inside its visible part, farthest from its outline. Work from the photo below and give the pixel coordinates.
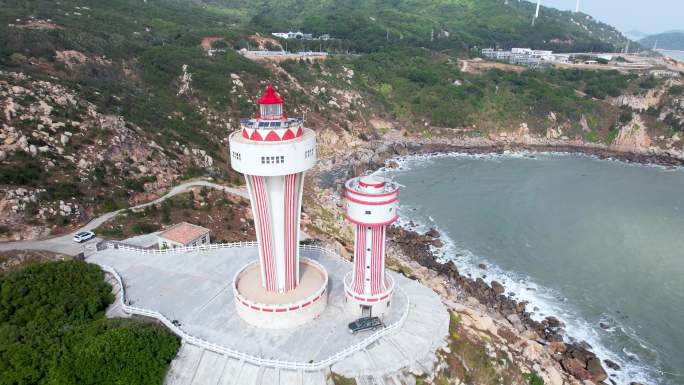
(576, 368)
(597, 372)
(611, 364)
(432, 233)
(498, 288)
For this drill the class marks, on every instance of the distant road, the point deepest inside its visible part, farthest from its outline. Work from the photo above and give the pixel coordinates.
(64, 244)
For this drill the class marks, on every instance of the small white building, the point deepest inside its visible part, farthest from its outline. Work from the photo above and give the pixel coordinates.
(293, 35)
(183, 235)
(521, 51)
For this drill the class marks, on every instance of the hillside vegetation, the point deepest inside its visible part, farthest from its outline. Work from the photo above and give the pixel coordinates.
(53, 331)
(442, 24)
(673, 40)
(105, 104)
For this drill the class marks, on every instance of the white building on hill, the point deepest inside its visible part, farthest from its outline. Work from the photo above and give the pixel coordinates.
(521, 56)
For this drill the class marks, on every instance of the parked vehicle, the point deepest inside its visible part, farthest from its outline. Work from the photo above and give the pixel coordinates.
(83, 236)
(365, 323)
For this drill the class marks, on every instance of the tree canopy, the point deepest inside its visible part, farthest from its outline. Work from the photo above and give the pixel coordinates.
(53, 331)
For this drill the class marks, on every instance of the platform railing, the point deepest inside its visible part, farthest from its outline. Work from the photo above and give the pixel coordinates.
(252, 359)
(386, 292)
(302, 303)
(212, 246)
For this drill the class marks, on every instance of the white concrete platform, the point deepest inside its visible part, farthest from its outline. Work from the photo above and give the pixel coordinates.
(194, 288)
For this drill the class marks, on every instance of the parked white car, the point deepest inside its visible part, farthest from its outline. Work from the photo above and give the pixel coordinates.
(83, 236)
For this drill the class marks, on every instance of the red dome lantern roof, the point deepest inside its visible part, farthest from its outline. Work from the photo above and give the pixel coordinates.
(270, 97)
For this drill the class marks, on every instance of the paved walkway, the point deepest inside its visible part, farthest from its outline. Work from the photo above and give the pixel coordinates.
(170, 283)
(411, 349)
(195, 288)
(65, 244)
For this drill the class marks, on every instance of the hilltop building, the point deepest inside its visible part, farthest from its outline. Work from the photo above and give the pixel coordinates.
(293, 35)
(301, 36)
(183, 235)
(522, 56)
(371, 205)
(263, 55)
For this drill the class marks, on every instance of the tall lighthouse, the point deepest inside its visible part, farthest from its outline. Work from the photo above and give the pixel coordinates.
(371, 205)
(273, 151)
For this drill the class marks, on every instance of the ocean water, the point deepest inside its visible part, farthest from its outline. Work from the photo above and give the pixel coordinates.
(677, 55)
(598, 243)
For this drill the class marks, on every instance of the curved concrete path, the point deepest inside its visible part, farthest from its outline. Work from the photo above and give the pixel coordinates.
(64, 244)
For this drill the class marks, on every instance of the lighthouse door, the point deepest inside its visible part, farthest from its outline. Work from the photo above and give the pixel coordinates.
(365, 311)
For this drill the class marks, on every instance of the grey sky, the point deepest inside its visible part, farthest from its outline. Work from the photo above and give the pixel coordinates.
(651, 16)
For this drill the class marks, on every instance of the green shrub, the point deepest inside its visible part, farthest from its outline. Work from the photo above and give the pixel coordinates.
(21, 169)
(676, 90)
(116, 351)
(37, 306)
(138, 185)
(63, 190)
(533, 379)
(626, 116)
(144, 228)
(53, 331)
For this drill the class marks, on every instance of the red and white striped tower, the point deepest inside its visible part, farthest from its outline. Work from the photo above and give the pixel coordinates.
(274, 151)
(371, 205)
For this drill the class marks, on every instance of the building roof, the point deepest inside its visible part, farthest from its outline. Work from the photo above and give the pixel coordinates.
(270, 97)
(184, 232)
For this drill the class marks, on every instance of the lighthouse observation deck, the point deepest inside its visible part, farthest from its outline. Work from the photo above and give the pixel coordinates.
(272, 158)
(371, 200)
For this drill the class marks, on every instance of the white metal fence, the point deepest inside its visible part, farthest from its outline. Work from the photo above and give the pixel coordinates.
(213, 246)
(267, 362)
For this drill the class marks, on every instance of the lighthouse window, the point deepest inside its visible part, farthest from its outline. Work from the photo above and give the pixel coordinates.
(273, 159)
(368, 212)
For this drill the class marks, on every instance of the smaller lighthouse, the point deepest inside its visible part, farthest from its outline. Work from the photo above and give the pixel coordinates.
(371, 205)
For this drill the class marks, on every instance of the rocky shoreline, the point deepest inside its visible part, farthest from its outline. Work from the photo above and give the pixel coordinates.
(382, 154)
(575, 358)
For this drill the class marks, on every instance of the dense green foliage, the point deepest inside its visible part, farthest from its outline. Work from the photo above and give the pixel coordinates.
(52, 331)
(418, 84)
(148, 43)
(117, 351)
(441, 24)
(673, 40)
(21, 169)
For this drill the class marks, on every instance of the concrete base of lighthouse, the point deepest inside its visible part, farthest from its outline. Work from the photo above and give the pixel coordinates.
(359, 305)
(270, 310)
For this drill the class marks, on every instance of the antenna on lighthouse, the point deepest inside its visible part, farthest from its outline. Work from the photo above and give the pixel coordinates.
(536, 13)
(577, 6)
